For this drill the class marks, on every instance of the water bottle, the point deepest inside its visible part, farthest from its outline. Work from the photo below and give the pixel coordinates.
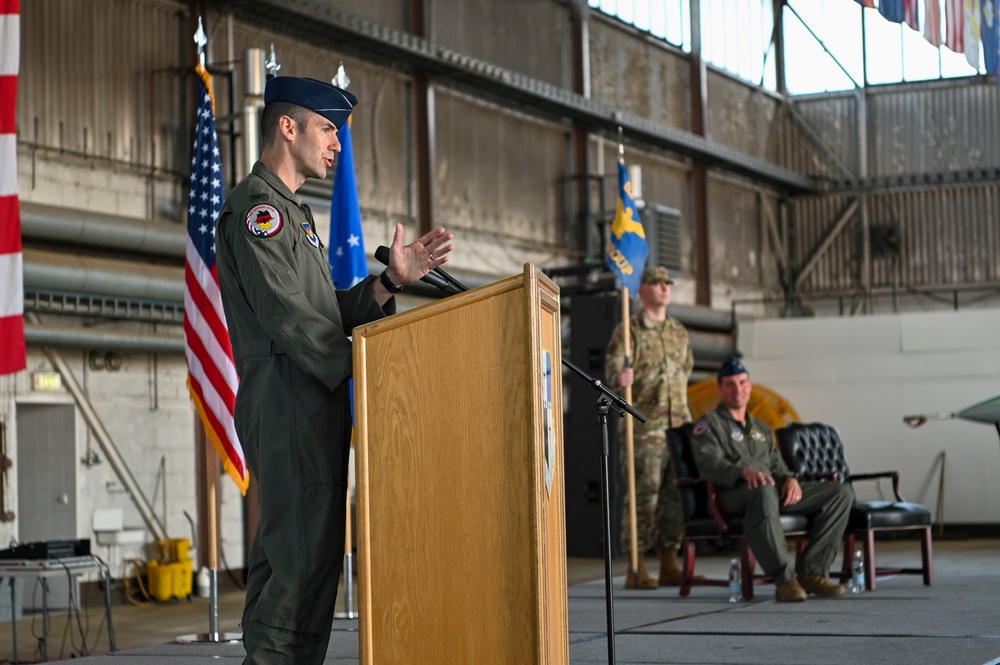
(735, 586)
(857, 583)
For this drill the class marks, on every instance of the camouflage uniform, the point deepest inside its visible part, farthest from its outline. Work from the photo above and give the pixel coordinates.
(662, 362)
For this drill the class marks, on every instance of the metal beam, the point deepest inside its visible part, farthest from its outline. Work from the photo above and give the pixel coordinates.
(834, 231)
(321, 25)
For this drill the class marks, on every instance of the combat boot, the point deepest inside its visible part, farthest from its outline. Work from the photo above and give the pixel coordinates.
(790, 592)
(820, 586)
(640, 579)
(670, 571)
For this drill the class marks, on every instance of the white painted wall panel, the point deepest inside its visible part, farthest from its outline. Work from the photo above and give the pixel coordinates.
(864, 374)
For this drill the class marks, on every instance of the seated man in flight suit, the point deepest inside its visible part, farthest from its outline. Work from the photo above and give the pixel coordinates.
(736, 452)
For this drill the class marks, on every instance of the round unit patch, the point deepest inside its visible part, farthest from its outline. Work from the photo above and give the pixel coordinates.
(264, 221)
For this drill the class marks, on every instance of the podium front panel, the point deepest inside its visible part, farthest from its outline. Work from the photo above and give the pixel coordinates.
(461, 540)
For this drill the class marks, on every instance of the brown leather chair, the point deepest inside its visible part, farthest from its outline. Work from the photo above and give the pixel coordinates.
(705, 520)
(816, 449)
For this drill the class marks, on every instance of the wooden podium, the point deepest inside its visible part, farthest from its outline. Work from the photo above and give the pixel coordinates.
(459, 462)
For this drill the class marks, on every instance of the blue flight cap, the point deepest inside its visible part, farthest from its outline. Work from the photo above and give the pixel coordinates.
(333, 103)
(732, 366)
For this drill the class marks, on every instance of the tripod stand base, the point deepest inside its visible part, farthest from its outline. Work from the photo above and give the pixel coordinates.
(211, 638)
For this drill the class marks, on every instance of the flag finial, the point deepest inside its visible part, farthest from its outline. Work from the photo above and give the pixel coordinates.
(341, 80)
(271, 64)
(621, 146)
(200, 39)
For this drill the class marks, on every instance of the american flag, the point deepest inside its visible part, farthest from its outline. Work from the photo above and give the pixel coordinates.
(14, 355)
(932, 22)
(212, 377)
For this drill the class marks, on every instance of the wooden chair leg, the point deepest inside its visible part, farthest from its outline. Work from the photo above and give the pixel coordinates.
(748, 563)
(869, 549)
(687, 547)
(927, 553)
(845, 568)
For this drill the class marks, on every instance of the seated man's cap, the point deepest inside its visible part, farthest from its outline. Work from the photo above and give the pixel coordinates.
(657, 275)
(732, 366)
(333, 103)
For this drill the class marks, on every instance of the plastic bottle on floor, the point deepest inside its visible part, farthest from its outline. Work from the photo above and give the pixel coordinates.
(735, 585)
(857, 583)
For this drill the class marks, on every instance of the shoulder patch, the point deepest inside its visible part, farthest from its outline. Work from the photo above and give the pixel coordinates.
(701, 426)
(264, 221)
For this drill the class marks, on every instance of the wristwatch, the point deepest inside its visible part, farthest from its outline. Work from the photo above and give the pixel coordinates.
(387, 283)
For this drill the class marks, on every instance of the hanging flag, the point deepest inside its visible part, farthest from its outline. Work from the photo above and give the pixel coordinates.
(891, 10)
(347, 244)
(991, 36)
(910, 14)
(932, 22)
(954, 16)
(212, 378)
(14, 357)
(972, 16)
(627, 248)
(867, 3)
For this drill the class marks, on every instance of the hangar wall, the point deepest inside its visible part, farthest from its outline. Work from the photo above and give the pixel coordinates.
(863, 374)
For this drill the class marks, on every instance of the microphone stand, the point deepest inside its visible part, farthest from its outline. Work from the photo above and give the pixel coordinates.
(608, 400)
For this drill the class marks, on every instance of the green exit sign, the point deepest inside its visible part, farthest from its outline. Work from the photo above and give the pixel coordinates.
(47, 381)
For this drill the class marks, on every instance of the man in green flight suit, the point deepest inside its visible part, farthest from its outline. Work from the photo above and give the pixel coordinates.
(662, 361)
(736, 452)
(289, 329)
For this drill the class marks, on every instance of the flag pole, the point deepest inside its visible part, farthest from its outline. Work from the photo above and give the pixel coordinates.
(211, 481)
(348, 612)
(346, 186)
(630, 445)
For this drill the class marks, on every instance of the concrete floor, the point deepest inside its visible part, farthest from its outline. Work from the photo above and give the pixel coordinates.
(954, 622)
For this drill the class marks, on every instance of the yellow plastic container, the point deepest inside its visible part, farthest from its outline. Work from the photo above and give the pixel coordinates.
(160, 582)
(172, 575)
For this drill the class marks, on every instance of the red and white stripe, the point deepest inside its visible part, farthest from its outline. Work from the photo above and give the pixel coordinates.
(910, 14)
(212, 376)
(954, 16)
(932, 22)
(13, 357)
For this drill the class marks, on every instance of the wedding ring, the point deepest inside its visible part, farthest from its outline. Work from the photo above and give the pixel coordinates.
(432, 256)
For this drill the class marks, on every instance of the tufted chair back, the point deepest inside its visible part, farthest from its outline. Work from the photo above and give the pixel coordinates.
(813, 450)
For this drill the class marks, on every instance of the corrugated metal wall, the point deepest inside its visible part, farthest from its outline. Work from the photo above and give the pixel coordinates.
(497, 172)
(88, 72)
(948, 233)
(639, 76)
(110, 83)
(527, 37)
(934, 127)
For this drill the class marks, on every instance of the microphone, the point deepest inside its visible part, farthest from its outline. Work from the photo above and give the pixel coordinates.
(432, 278)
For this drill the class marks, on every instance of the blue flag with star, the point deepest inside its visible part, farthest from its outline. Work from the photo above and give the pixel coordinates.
(347, 244)
(627, 247)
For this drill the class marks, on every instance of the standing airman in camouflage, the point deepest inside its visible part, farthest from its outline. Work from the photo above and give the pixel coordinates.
(661, 365)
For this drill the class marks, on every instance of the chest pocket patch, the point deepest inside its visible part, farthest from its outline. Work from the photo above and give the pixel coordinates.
(310, 234)
(736, 434)
(264, 221)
